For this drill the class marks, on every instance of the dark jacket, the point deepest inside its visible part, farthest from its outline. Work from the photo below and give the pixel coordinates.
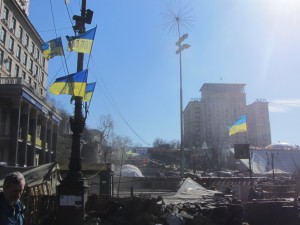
(10, 215)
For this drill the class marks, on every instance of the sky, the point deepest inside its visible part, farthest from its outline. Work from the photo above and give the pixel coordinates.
(133, 60)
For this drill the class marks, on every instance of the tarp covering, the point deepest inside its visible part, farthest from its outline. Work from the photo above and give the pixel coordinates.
(129, 171)
(192, 192)
(276, 171)
(261, 160)
(33, 175)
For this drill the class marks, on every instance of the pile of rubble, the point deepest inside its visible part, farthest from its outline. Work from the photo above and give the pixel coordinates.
(191, 205)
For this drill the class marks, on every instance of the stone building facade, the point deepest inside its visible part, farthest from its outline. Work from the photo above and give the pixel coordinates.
(206, 120)
(28, 122)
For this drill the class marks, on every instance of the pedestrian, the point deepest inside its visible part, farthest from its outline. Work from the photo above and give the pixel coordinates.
(11, 208)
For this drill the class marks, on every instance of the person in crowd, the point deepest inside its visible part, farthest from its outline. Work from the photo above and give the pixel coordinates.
(11, 208)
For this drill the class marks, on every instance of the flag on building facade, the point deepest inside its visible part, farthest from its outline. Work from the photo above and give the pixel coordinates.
(89, 91)
(82, 43)
(52, 48)
(73, 84)
(239, 126)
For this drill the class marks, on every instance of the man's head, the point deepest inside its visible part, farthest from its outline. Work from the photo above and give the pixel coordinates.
(13, 187)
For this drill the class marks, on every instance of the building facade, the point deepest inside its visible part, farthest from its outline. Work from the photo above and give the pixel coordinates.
(258, 123)
(207, 120)
(28, 122)
(193, 122)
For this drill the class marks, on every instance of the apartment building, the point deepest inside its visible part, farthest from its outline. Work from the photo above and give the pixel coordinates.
(28, 123)
(194, 123)
(258, 123)
(207, 119)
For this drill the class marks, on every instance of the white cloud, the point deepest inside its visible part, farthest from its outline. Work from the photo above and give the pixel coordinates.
(283, 105)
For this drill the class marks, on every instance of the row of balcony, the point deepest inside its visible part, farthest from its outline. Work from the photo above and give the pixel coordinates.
(38, 142)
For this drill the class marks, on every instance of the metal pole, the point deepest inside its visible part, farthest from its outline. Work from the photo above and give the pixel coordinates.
(73, 189)
(250, 169)
(181, 122)
(77, 123)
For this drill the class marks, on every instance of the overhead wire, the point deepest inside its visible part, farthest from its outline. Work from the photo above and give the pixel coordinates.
(116, 108)
(63, 62)
(107, 93)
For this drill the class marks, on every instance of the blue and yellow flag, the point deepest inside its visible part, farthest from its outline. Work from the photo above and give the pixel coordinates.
(82, 43)
(239, 126)
(73, 84)
(52, 48)
(89, 91)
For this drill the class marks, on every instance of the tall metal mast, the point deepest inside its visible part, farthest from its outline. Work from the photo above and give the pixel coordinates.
(73, 189)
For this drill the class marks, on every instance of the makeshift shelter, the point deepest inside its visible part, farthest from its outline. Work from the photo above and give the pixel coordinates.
(276, 171)
(129, 171)
(192, 192)
(40, 180)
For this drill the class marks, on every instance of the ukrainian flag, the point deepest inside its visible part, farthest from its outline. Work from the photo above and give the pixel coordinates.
(89, 91)
(52, 48)
(239, 126)
(73, 84)
(82, 43)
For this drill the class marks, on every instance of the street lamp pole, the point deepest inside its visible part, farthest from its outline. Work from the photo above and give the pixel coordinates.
(73, 189)
(181, 47)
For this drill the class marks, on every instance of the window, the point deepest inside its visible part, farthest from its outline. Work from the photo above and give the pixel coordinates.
(8, 64)
(30, 65)
(3, 35)
(1, 57)
(43, 77)
(16, 71)
(23, 75)
(11, 44)
(26, 40)
(29, 80)
(13, 23)
(32, 46)
(35, 85)
(36, 70)
(37, 54)
(20, 33)
(44, 62)
(5, 13)
(18, 52)
(41, 91)
(25, 59)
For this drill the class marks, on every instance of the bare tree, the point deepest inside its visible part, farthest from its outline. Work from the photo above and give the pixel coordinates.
(158, 142)
(120, 144)
(105, 128)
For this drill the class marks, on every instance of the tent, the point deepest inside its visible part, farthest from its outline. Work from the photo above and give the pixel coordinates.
(192, 192)
(129, 171)
(47, 173)
(277, 172)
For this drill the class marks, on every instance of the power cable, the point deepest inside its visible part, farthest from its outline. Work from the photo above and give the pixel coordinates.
(63, 62)
(116, 108)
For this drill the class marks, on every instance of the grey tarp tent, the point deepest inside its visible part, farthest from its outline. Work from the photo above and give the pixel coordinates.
(192, 192)
(34, 175)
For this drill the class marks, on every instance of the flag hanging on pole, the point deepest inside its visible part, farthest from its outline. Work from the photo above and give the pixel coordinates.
(89, 91)
(52, 48)
(73, 84)
(82, 43)
(239, 126)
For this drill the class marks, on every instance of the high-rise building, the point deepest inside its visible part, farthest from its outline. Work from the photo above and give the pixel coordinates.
(193, 122)
(28, 122)
(258, 123)
(207, 120)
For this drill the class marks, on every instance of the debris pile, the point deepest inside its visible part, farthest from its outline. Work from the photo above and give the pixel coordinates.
(192, 204)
